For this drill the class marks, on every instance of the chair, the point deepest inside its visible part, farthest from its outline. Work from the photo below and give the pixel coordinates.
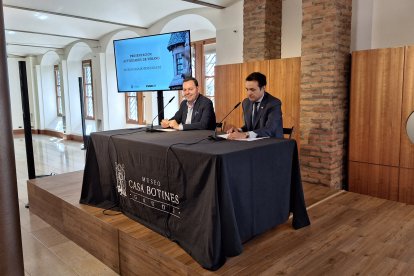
(287, 132)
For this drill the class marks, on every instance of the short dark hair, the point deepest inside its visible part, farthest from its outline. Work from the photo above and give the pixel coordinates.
(259, 77)
(191, 79)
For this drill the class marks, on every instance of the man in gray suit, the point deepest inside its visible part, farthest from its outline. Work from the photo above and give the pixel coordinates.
(196, 111)
(261, 111)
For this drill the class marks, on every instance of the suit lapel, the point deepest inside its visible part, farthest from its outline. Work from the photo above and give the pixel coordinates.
(249, 109)
(195, 108)
(260, 111)
(185, 112)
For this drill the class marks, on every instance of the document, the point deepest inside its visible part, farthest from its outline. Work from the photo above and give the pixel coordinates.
(242, 139)
(166, 129)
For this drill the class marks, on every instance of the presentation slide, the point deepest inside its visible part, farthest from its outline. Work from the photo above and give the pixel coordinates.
(151, 63)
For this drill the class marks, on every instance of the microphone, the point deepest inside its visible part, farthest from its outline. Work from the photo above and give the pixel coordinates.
(214, 136)
(151, 129)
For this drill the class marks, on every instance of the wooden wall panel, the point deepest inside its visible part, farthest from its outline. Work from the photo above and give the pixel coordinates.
(283, 81)
(406, 191)
(407, 148)
(375, 106)
(261, 66)
(374, 180)
(227, 93)
(284, 76)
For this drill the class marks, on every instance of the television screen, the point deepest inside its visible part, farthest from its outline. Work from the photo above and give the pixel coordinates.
(153, 63)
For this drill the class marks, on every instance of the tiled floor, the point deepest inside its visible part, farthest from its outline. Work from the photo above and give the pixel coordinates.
(45, 250)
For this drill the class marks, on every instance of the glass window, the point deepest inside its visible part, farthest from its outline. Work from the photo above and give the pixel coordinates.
(133, 103)
(203, 61)
(88, 89)
(58, 89)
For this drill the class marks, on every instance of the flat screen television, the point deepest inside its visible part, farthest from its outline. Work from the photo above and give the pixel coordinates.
(153, 63)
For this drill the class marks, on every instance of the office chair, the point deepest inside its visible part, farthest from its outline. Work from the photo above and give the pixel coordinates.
(288, 131)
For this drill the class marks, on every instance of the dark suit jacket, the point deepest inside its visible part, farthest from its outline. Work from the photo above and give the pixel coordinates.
(268, 120)
(203, 114)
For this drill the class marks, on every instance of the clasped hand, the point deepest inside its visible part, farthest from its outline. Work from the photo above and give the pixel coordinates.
(169, 123)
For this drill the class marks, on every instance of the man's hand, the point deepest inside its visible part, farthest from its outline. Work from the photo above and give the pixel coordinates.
(231, 130)
(237, 135)
(165, 123)
(173, 124)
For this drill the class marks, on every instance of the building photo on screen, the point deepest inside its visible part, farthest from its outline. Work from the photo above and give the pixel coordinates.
(153, 63)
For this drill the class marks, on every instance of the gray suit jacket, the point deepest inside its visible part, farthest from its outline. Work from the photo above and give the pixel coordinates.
(203, 114)
(268, 120)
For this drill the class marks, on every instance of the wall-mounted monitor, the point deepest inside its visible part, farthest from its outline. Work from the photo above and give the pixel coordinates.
(153, 63)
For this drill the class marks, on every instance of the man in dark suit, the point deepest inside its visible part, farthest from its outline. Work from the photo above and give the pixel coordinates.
(196, 111)
(261, 111)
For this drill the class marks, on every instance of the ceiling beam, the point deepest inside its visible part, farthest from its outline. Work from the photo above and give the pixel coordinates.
(31, 45)
(74, 16)
(203, 3)
(49, 34)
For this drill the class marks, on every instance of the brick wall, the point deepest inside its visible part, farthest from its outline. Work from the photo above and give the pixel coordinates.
(262, 29)
(326, 35)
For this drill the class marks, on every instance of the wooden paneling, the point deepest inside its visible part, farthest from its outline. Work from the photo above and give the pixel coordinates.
(375, 180)
(284, 83)
(406, 191)
(407, 148)
(375, 106)
(227, 94)
(250, 67)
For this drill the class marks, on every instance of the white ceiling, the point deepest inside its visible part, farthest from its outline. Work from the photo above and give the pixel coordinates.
(35, 27)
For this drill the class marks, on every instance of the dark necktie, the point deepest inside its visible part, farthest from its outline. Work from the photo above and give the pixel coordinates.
(254, 112)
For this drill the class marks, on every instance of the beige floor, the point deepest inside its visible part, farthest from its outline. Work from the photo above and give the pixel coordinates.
(45, 250)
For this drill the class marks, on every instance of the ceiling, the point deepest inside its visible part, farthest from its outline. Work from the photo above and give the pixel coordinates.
(34, 27)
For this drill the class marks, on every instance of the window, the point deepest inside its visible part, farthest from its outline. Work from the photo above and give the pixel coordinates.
(203, 60)
(87, 89)
(179, 62)
(58, 89)
(210, 62)
(133, 103)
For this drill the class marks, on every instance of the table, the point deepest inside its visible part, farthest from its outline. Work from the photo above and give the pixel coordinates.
(208, 196)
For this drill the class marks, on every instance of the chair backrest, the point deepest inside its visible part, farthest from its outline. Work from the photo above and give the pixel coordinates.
(287, 132)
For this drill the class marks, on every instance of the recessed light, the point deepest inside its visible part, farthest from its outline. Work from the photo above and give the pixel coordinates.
(41, 16)
(11, 32)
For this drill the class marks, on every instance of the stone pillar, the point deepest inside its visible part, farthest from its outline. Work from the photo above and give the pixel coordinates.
(326, 40)
(262, 29)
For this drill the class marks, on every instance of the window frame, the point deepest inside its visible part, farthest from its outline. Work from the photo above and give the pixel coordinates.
(58, 87)
(139, 97)
(200, 63)
(87, 63)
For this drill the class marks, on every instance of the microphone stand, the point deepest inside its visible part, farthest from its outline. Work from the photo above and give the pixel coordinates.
(151, 129)
(214, 137)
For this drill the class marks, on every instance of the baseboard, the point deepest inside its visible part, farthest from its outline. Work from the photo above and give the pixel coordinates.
(17, 133)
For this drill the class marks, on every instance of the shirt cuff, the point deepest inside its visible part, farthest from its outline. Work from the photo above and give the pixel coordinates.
(180, 127)
(252, 134)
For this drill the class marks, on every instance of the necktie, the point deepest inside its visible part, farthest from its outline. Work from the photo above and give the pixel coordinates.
(254, 111)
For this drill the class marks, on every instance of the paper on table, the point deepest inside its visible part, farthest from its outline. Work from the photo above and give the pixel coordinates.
(167, 129)
(242, 139)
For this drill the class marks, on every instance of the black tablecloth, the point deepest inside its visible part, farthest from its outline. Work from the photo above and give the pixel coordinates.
(209, 197)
